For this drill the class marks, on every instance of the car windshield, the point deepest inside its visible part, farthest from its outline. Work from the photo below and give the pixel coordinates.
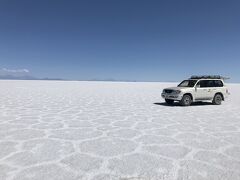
(187, 83)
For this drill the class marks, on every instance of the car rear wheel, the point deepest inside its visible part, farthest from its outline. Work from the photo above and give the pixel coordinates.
(186, 100)
(217, 100)
(169, 101)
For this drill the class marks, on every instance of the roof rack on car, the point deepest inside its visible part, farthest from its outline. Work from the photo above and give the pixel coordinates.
(209, 77)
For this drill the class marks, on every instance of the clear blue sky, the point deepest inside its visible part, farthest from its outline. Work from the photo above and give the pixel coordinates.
(149, 40)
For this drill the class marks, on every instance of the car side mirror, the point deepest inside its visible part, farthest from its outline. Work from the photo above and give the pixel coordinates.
(196, 87)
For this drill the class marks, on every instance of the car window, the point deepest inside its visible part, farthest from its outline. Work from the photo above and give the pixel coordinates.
(218, 83)
(198, 84)
(206, 83)
(187, 83)
(210, 83)
(203, 84)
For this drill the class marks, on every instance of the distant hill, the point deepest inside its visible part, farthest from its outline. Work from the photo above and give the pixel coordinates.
(11, 77)
(20, 74)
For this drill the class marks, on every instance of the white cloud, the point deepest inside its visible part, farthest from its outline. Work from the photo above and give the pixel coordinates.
(14, 72)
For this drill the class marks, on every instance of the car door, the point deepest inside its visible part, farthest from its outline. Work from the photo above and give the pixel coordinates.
(218, 87)
(211, 89)
(203, 90)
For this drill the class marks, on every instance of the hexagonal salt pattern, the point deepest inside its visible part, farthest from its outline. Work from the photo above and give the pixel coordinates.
(53, 130)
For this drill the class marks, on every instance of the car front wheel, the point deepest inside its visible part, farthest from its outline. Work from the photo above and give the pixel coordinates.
(186, 100)
(217, 100)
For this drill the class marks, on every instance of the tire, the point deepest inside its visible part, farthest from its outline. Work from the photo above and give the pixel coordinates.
(217, 100)
(169, 101)
(186, 100)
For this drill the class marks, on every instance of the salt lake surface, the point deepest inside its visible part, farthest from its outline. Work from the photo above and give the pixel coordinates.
(56, 130)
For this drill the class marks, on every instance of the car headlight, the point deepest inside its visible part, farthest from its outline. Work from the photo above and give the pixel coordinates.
(176, 92)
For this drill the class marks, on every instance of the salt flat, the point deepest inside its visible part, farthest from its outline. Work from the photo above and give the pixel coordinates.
(56, 130)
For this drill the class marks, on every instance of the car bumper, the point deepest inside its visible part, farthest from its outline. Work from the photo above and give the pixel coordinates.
(175, 97)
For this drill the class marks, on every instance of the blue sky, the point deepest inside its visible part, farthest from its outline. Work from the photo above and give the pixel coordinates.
(149, 40)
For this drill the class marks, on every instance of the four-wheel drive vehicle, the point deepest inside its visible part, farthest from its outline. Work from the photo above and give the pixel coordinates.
(197, 88)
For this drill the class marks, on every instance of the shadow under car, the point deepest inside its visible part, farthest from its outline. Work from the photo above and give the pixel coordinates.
(178, 104)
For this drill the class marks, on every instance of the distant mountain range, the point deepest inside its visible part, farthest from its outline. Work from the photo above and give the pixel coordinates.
(20, 74)
(11, 77)
(28, 77)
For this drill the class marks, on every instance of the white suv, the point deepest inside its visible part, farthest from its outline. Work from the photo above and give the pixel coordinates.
(197, 88)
